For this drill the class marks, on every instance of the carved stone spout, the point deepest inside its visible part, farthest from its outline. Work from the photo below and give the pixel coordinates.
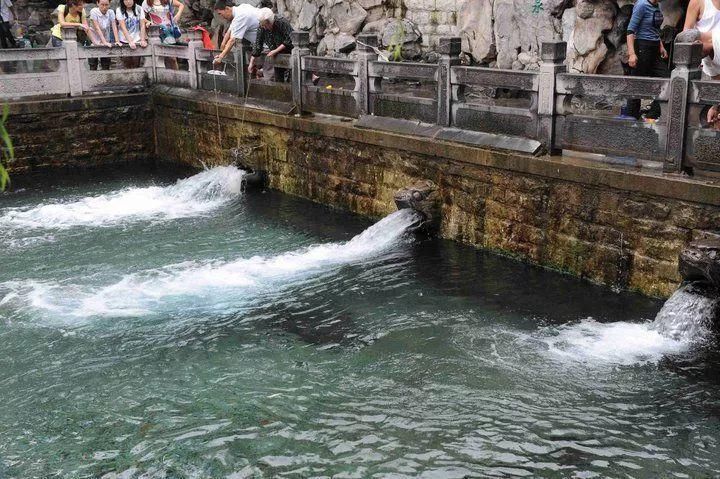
(700, 262)
(424, 198)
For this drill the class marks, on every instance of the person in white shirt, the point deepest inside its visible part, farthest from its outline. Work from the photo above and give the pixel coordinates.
(106, 33)
(244, 25)
(131, 21)
(704, 16)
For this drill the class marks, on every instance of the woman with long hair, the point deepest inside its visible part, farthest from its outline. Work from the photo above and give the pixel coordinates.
(72, 14)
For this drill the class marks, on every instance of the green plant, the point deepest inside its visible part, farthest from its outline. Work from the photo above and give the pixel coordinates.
(8, 153)
(396, 43)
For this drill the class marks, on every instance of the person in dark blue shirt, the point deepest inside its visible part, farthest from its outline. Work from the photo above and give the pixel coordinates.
(646, 53)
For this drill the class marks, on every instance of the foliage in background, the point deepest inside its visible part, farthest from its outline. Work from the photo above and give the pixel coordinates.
(8, 153)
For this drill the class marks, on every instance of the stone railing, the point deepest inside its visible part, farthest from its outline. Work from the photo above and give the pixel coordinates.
(531, 111)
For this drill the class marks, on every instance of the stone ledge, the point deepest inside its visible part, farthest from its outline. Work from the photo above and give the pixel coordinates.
(579, 171)
(88, 102)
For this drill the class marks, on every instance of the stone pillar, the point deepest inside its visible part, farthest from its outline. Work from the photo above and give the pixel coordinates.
(687, 59)
(238, 52)
(72, 64)
(153, 41)
(366, 54)
(194, 43)
(449, 49)
(553, 62)
(300, 41)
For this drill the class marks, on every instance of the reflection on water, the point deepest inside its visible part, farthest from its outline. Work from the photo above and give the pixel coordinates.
(269, 337)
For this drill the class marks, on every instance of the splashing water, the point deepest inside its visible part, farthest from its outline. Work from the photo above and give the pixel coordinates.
(209, 284)
(687, 315)
(192, 196)
(684, 320)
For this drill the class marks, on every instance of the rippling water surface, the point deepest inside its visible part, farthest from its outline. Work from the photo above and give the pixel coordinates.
(158, 329)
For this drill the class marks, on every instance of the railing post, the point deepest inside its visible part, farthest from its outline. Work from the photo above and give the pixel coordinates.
(73, 61)
(687, 57)
(366, 43)
(449, 49)
(153, 41)
(194, 43)
(238, 52)
(553, 62)
(300, 41)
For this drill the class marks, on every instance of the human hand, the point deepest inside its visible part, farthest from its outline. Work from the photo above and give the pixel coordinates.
(713, 115)
(132, 45)
(271, 54)
(632, 60)
(218, 59)
(107, 44)
(663, 52)
(118, 44)
(143, 43)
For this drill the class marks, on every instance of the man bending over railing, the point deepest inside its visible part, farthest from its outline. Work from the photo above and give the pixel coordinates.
(275, 33)
(243, 25)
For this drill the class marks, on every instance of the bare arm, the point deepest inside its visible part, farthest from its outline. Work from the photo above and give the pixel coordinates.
(126, 34)
(225, 51)
(115, 32)
(225, 39)
(100, 34)
(180, 7)
(694, 12)
(632, 57)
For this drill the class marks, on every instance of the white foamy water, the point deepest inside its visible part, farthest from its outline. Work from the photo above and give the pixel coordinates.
(621, 343)
(209, 284)
(683, 321)
(192, 196)
(686, 315)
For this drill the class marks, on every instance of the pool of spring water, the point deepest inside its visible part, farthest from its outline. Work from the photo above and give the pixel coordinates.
(150, 328)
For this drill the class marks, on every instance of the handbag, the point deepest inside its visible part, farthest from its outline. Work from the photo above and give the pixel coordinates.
(170, 31)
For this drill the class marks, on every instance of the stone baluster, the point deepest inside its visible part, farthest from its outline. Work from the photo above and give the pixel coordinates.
(72, 64)
(367, 42)
(154, 41)
(449, 49)
(553, 62)
(687, 59)
(301, 41)
(194, 44)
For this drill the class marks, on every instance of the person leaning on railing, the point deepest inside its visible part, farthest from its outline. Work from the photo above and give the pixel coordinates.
(646, 53)
(244, 25)
(275, 34)
(710, 41)
(105, 30)
(131, 20)
(72, 14)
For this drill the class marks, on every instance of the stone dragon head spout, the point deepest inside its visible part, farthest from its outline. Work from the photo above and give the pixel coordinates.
(423, 197)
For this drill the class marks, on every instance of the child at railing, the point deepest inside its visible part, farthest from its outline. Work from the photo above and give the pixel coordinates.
(72, 14)
(106, 33)
(132, 29)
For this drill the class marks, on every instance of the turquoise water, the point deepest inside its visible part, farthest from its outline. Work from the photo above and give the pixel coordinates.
(153, 329)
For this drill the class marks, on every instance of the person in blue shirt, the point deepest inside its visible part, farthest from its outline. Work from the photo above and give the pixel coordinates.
(646, 53)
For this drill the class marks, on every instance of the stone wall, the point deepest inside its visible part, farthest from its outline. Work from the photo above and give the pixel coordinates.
(81, 132)
(613, 227)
